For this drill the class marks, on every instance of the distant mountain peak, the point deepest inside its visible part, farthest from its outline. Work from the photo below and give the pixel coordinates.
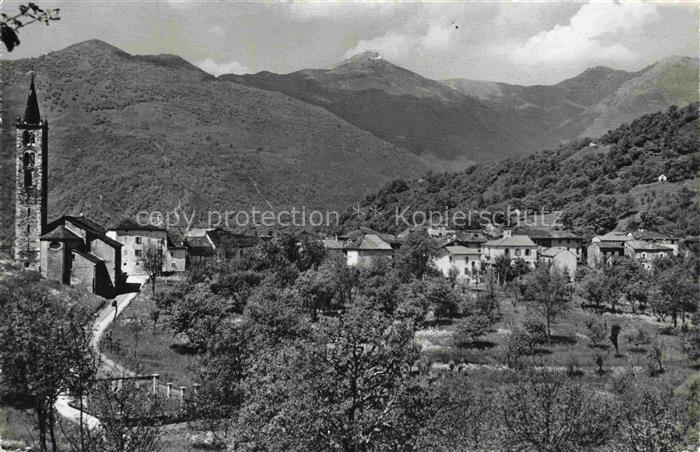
(368, 57)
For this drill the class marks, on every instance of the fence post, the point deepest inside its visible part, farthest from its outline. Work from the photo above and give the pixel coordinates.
(167, 391)
(155, 383)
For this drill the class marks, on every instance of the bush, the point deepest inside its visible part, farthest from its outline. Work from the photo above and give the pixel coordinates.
(469, 329)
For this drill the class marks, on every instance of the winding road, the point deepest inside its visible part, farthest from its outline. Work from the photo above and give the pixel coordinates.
(104, 317)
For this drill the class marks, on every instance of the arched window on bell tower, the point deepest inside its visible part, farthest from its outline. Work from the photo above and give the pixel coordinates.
(28, 138)
(28, 161)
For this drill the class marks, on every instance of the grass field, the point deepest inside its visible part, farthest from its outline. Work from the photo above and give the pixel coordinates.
(570, 342)
(139, 346)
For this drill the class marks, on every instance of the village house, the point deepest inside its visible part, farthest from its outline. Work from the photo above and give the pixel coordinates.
(512, 246)
(554, 238)
(562, 259)
(176, 256)
(460, 261)
(77, 251)
(216, 245)
(655, 237)
(362, 250)
(136, 239)
(605, 247)
(647, 252)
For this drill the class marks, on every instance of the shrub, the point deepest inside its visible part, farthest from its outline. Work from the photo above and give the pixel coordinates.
(469, 329)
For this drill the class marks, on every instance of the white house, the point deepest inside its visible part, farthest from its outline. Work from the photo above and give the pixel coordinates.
(513, 246)
(561, 258)
(135, 240)
(363, 250)
(662, 178)
(464, 262)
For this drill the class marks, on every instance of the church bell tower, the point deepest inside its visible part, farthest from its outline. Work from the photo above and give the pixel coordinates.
(32, 145)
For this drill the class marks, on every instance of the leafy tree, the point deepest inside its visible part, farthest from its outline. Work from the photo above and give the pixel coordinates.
(198, 315)
(546, 411)
(639, 336)
(130, 420)
(650, 417)
(597, 330)
(550, 291)
(677, 291)
(441, 297)
(44, 346)
(416, 255)
(238, 286)
(614, 335)
(28, 14)
(470, 328)
(348, 387)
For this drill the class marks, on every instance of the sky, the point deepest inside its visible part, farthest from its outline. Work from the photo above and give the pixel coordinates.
(524, 43)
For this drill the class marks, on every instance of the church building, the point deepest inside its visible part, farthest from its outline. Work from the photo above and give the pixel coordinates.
(71, 249)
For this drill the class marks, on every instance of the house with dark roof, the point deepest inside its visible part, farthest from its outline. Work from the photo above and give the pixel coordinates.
(217, 245)
(656, 237)
(647, 252)
(605, 247)
(136, 239)
(78, 252)
(511, 246)
(554, 238)
(362, 250)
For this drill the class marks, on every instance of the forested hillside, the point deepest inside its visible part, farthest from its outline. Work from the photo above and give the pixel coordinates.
(595, 183)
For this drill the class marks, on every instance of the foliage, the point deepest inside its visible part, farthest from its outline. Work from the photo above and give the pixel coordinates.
(470, 328)
(547, 411)
(593, 192)
(550, 291)
(348, 386)
(639, 336)
(597, 330)
(28, 14)
(416, 255)
(153, 260)
(44, 346)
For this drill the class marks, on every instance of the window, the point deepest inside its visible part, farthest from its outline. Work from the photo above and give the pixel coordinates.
(138, 240)
(55, 245)
(137, 253)
(517, 252)
(466, 270)
(28, 137)
(28, 179)
(527, 252)
(473, 264)
(171, 254)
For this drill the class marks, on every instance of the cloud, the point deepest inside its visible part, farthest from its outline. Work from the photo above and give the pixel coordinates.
(214, 68)
(595, 33)
(409, 40)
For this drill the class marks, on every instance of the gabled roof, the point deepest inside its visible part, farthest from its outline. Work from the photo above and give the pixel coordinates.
(515, 240)
(554, 251)
(648, 235)
(471, 237)
(614, 236)
(200, 246)
(541, 233)
(128, 224)
(643, 245)
(462, 250)
(60, 233)
(368, 242)
(226, 239)
(89, 256)
(97, 230)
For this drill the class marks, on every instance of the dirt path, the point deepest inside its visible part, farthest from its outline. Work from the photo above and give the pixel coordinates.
(104, 318)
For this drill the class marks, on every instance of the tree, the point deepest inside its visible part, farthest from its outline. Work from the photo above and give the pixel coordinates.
(416, 255)
(639, 336)
(44, 346)
(650, 417)
(28, 14)
(597, 330)
(614, 335)
(469, 329)
(677, 291)
(546, 411)
(348, 386)
(153, 263)
(550, 291)
(502, 268)
(130, 420)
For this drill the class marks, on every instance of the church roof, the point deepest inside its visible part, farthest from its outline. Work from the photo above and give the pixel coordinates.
(89, 256)
(60, 233)
(31, 111)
